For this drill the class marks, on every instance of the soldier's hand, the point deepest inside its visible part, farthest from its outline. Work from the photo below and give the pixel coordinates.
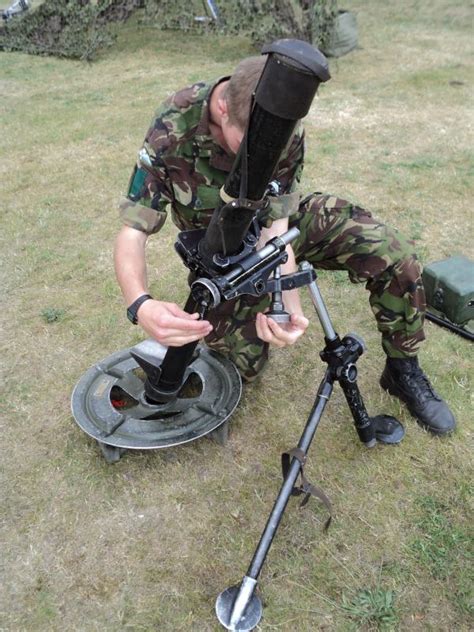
(281, 335)
(170, 325)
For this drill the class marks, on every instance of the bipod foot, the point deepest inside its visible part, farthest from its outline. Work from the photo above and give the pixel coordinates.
(238, 608)
(388, 429)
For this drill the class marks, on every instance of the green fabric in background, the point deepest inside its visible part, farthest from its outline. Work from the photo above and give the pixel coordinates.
(344, 37)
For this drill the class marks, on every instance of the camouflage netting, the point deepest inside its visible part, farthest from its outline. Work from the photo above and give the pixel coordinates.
(262, 20)
(266, 20)
(66, 28)
(58, 27)
(79, 28)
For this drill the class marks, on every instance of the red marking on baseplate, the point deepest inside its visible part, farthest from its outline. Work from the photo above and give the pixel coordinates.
(119, 403)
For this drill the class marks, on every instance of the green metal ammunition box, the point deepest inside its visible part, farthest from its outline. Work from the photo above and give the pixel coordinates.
(449, 287)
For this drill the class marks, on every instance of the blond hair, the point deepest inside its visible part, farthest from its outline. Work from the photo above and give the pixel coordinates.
(240, 88)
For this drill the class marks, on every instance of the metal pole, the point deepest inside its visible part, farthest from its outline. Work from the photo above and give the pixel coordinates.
(324, 393)
(319, 306)
(239, 609)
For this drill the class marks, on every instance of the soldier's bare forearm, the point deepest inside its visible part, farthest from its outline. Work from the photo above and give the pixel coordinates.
(130, 263)
(166, 322)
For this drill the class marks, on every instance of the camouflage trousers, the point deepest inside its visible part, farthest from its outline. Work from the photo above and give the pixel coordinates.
(336, 235)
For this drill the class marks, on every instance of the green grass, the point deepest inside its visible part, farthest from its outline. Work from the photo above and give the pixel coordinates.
(52, 314)
(443, 546)
(372, 607)
(438, 540)
(147, 544)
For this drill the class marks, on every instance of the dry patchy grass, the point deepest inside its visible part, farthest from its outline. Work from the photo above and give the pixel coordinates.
(147, 544)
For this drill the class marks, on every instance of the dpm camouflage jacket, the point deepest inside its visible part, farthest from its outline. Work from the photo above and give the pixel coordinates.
(181, 165)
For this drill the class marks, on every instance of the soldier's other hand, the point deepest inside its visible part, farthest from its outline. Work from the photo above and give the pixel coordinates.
(170, 325)
(281, 335)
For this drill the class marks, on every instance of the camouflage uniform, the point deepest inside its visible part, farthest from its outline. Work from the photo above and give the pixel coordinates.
(187, 169)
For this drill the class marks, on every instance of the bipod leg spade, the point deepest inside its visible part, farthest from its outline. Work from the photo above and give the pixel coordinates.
(341, 357)
(238, 608)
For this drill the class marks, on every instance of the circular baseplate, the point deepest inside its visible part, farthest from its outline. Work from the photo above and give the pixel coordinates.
(109, 402)
(252, 613)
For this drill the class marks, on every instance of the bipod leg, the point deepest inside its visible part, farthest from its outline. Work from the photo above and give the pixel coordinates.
(383, 428)
(341, 357)
(237, 607)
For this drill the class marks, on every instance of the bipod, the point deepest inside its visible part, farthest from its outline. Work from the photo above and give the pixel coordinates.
(239, 608)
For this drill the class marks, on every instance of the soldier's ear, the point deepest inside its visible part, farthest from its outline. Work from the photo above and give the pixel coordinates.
(222, 108)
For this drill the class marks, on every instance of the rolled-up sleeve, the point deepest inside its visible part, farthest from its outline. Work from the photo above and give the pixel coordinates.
(140, 216)
(144, 207)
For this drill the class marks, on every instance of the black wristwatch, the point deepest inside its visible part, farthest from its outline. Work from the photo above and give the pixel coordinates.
(134, 307)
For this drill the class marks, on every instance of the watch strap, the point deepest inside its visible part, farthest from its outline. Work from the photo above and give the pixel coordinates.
(132, 310)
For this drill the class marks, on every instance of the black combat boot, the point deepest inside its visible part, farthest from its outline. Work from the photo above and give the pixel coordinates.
(405, 379)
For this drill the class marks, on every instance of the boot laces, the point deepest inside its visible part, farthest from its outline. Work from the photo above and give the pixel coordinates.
(417, 381)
